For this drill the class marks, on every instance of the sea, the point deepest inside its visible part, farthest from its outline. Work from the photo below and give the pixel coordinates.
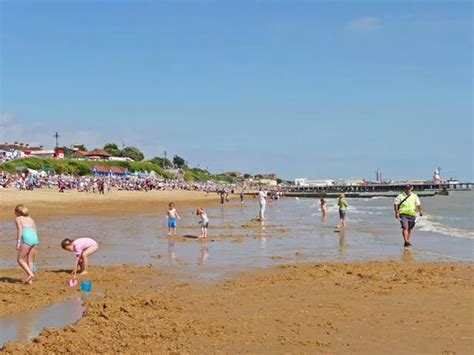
(293, 232)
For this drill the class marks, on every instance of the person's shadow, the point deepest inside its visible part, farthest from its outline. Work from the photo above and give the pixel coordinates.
(10, 280)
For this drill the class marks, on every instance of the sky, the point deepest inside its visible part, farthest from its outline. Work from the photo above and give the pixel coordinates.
(317, 89)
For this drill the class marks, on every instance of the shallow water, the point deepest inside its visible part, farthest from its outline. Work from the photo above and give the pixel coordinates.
(293, 232)
(25, 326)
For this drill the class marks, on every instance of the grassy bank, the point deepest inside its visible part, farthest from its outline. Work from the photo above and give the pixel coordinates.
(83, 167)
(78, 167)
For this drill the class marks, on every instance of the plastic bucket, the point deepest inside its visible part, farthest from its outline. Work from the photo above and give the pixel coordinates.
(86, 286)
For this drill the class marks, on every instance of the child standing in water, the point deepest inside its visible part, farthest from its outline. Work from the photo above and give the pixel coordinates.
(342, 204)
(324, 209)
(26, 241)
(171, 217)
(82, 247)
(204, 222)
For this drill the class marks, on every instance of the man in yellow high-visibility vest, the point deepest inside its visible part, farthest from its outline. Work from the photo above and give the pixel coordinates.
(406, 206)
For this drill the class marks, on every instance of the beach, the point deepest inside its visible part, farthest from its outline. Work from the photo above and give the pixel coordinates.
(385, 307)
(181, 295)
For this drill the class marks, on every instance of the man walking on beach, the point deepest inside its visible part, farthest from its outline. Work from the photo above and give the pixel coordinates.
(262, 200)
(406, 205)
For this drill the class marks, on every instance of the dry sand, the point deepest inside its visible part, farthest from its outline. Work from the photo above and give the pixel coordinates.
(46, 204)
(377, 307)
(372, 307)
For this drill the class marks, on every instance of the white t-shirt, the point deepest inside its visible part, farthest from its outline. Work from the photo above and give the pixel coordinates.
(204, 218)
(261, 197)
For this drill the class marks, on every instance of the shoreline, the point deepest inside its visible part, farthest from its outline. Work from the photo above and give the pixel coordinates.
(336, 308)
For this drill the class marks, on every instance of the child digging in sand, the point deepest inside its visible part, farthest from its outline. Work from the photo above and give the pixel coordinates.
(204, 222)
(26, 241)
(82, 247)
(171, 217)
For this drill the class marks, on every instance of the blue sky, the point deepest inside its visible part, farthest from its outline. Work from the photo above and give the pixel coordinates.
(320, 89)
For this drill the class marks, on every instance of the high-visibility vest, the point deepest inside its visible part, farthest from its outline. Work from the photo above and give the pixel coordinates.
(408, 207)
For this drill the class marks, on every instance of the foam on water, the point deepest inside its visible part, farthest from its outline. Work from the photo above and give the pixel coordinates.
(432, 224)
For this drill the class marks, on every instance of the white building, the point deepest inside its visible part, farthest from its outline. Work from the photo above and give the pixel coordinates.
(304, 182)
(127, 159)
(44, 153)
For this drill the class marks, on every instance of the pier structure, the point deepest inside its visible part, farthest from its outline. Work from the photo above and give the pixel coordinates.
(373, 190)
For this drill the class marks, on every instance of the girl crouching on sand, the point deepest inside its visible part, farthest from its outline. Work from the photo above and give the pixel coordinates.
(26, 241)
(204, 222)
(82, 247)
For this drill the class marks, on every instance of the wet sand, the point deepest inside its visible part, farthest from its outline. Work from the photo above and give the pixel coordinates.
(374, 307)
(370, 307)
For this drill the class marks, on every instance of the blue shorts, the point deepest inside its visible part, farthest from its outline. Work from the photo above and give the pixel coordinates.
(171, 222)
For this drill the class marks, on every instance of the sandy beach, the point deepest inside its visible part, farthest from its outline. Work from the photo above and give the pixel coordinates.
(369, 307)
(49, 203)
(380, 307)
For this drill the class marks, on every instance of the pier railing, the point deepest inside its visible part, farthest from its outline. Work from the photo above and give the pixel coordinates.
(370, 190)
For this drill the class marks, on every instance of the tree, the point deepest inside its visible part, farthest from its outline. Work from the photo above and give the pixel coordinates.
(179, 162)
(133, 153)
(163, 162)
(112, 149)
(80, 147)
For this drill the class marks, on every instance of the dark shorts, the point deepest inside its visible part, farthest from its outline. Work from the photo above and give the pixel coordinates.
(407, 222)
(342, 214)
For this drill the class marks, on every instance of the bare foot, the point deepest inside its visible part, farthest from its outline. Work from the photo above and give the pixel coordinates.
(29, 280)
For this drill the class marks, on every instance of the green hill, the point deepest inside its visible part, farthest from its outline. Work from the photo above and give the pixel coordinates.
(84, 167)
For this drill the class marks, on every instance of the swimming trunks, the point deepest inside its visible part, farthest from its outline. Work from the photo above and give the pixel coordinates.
(171, 222)
(407, 222)
(29, 237)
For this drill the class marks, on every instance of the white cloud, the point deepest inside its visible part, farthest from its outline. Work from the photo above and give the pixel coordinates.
(7, 118)
(364, 24)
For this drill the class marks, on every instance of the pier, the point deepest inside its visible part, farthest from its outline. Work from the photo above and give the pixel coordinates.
(374, 190)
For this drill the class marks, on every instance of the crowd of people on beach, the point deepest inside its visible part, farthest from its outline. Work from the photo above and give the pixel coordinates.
(102, 185)
(407, 208)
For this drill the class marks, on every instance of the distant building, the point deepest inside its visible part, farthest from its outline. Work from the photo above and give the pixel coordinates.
(268, 182)
(378, 176)
(97, 155)
(79, 155)
(127, 159)
(109, 171)
(43, 153)
(437, 176)
(304, 182)
(354, 182)
(17, 150)
(59, 153)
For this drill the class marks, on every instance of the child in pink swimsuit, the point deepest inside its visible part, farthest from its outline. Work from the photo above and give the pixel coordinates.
(82, 248)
